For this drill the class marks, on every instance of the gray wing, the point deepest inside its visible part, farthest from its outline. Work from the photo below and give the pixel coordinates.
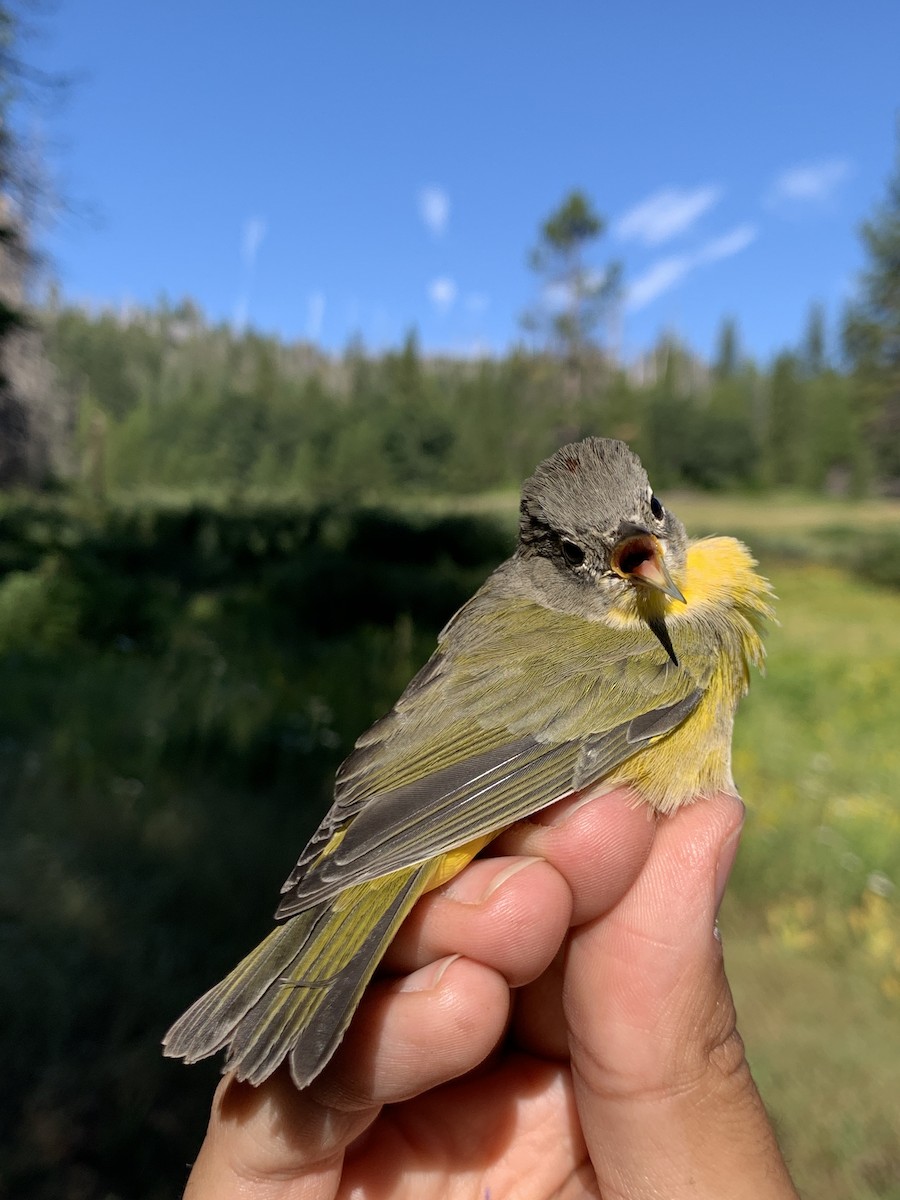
(468, 799)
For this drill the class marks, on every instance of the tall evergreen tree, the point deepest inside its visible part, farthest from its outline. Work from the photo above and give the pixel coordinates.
(872, 331)
(33, 424)
(725, 364)
(576, 297)
(814, 355)
(787, 448)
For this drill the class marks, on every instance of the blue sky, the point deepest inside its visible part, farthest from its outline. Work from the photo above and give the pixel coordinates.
(321, 168)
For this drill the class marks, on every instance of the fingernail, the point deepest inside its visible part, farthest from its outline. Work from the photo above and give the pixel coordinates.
(564, 810)
(464, 887)
(507, 873)
(426, 979)
(727, 855)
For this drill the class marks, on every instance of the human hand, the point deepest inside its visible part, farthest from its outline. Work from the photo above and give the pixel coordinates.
(558, 1024)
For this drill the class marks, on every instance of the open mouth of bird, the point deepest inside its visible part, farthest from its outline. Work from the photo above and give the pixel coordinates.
(638, 556)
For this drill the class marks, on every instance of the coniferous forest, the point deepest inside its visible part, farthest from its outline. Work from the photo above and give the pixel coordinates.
(164, 400)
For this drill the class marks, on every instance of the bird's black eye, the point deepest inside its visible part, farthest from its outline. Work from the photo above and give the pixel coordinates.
(656, 508)
(572, 553)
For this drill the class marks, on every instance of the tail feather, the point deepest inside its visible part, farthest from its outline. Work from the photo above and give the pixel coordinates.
(208, 1024)
(297, 991)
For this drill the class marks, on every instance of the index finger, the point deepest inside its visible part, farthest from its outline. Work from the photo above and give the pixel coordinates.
(597, 840)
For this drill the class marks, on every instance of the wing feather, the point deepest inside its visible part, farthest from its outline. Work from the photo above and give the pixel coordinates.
(478, 796)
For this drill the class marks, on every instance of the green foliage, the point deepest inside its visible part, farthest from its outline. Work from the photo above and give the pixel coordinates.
(167, 402)
(872, 330)
(813, 352)
(876, 556)
(38, 609)
(788, 431)
(572, 225)
(837, 455)
(726, 362)
(709, 444)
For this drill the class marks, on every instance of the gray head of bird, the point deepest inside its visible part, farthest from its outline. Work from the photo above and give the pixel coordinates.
(592, 530)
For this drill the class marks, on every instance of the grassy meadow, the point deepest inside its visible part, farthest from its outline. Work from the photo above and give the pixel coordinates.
(178, 682)
(812, 922)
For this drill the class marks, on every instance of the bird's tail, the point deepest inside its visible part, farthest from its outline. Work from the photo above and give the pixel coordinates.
(296, 992)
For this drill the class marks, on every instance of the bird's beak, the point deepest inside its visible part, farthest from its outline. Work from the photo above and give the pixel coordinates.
(639, 556)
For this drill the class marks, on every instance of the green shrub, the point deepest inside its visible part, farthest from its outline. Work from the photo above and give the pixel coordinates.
(876, 556)
(39, 609)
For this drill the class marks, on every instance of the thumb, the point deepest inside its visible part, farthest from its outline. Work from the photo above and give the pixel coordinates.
(664, 1092)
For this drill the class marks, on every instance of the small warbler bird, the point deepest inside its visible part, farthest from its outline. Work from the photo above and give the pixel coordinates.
(608, 650)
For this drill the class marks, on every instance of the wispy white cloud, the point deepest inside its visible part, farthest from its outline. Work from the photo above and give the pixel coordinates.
(434, 209)
(730, 243)
(666, 213)
(814, 182)
(251, 239)
(667, 273)
(252, 234)
(315, 315)
(658, 278)
(442, 293)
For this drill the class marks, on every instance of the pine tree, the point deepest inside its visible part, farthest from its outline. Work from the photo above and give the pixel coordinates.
(575, 297)
(814, 355)
(727, 357)
(872, 333)
(34, 424)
